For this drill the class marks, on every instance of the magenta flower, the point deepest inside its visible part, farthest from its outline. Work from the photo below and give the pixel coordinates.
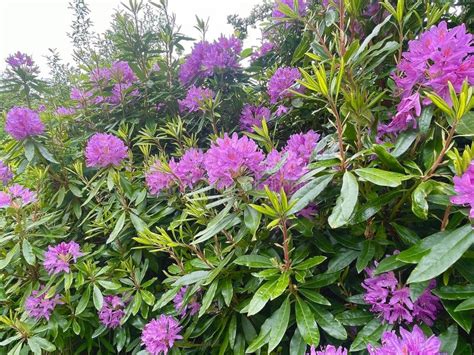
(104, 150)
(5, 173)
(190, 168)
(253, 116)
(412, 343)
(231, 157)
(39, 306)
(65, 111)
(82, 97)
(195, 98)
(264, 49)
(279, 84)
(22, 123)
(436, 57)
(193, 307)
(328, 350)
(160, 334)
(122, 73)
(277, 14)
(17, 196)
(58, 258)
(206, 59)
(100, 77)
(112, 312)
(427, 306)
(158, 178)
(22, 61)
(407, 111)
(464, 187)
(302, 144)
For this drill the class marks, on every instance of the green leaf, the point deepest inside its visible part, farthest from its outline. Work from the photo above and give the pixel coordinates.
(449, 340)
(308, 193)
(343, 259)
(455, 292)
(443, 255)
(314, 296)
(46, 154)
(254, 261)
(138, 223)
(463, 319)
(346, 202)
(10, 255)
(227, 291)
(81, 306)
(208, 298)
(29, 150)
(42, 343)
(419, 204)
(388, 264)
(466, 305)
(388, 159)
(261, 297)
(280, 286)
(97, 298)
(365, 256)
(354, 317)
(408, 236)
(213, 228)
(191, 278)
(118, 228)
(297, 344)
(404, 141)
(252, 219)
(370, 334)
(328, 323)
(28, 252)
(306, 324)
(381, 177)
(310, 263)
(262, 338)
(279, 324)
(148, 297)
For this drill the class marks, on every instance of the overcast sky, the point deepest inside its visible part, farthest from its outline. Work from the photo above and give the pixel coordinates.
(33, 26)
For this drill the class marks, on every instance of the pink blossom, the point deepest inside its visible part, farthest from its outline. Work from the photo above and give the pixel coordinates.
(22, 123)
(58, 258)
(105, 150)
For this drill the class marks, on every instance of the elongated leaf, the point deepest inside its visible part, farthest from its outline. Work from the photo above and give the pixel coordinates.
(381, 177)
(97, 298)
(28, 252)
(449, 340)
(208, 298)
(366, 254)
(466, 305)
(10, 255)
(279, 325)
(261, 297)
(346, 201)
(443, 255)
(191, 278)
(310, 263)
(370, 334)
(255, 261)
(462, 318)
(306, 323)
(328, 323)
(308, 193)
(118, 228)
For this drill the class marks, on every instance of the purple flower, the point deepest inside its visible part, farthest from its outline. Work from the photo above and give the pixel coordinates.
(280, 83)
(464, 187)
(119, 93)
(22, 61)
(5, 173)
(277, 14)
(57, 259)
(82, 97)
(17, 196)
(122, 73)
(193, 307)
(206, 59)
(303, 144)
(264, 49)
(427, 306)
(195, 98)
(22, 123)
(328, 350)
(160, 334)
(190, 168)
(436, 57)
(231, 157)
(112, 312)
(158, 178)
(39, 306)
(281, 110)
(412, 343)
(65, 111)
(253, 116)
(407, 111)
(100, 77)
(105, 150)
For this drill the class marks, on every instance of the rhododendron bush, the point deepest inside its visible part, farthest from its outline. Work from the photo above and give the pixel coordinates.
(311, 194)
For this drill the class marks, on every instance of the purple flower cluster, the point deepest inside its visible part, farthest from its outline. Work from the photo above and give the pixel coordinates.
(16, 196)
(38, 306)
(65, 111)
(58, 258)
(160, 334)
(5, 173)
(22, 61)
(264, 49)
(104, 150)
(22, 123)
(298, 151)
(464, 187)
(392, 300)
(253, 116)
(280, 83)
(231, 157)
(277, 14)
(413, 343)
(195, 98)
(206, 59)
(328, 350)
(178, 301)
(438, 56)
(185, 173)
(112, 312)
(83, 98)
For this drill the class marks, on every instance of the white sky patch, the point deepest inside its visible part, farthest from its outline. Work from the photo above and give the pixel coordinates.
(33, 26)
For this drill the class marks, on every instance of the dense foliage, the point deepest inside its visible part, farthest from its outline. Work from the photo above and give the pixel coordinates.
(310, 195)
